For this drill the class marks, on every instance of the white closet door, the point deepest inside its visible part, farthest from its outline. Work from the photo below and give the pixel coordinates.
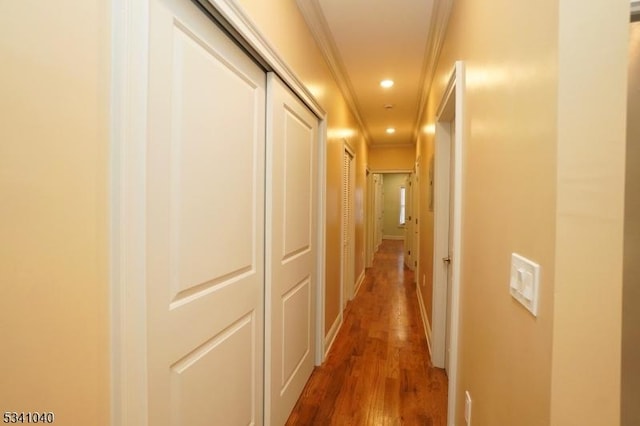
(348, 229)
(291, 249)
(205, 223)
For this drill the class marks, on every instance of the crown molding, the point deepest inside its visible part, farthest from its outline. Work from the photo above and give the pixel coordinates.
(437, 32)
(312, 14)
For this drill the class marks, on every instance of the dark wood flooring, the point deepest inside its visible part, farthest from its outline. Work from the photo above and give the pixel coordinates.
(378, 371)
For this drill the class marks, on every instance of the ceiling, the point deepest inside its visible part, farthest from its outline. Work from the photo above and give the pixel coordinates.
(366, 42)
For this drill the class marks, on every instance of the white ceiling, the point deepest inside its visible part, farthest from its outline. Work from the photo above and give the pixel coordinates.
(366, 41)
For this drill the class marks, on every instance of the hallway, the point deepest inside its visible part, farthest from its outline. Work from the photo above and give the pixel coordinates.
(378, 371)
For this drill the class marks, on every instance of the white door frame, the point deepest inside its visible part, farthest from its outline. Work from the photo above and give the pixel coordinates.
(451, 109)
(128, 192)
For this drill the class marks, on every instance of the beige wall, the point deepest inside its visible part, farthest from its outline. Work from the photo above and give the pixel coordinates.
(53, 186)
(589, 212)
(282, 24)
(511, 106)
(424, 153)
(391, 186)
(388, 158)
(523, 180)
(631, 293)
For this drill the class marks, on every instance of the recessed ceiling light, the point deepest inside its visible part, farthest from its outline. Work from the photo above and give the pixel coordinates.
(386, 83)
(391, 130)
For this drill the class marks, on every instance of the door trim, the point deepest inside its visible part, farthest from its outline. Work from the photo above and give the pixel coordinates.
(128, 125)
(128, 108)
(451, 105)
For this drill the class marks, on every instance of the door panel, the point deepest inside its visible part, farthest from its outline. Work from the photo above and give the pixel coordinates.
(298, 169)
(205, 216)
(291, 249)
(450, 253)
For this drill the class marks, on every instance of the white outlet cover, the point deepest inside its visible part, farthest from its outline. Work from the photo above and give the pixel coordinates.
(525, 282)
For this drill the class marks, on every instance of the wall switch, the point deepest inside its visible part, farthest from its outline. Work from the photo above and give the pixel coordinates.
(525, 282)
(467, 408)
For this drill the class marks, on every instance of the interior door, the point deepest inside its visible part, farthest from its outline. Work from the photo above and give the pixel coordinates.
(205, 223)
(450, 253)
(291, 249)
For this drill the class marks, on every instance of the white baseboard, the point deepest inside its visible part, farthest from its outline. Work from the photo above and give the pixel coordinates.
(358, 283)
(425, 320)
(393, 237)
(331, 335)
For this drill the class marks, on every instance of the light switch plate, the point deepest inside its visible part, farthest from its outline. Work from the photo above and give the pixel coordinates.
(525, 282)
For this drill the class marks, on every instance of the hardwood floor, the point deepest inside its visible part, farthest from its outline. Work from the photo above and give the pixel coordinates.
(378, 371)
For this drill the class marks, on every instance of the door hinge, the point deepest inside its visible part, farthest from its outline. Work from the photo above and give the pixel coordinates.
(409, 252)
(416, 220)
(415, 263)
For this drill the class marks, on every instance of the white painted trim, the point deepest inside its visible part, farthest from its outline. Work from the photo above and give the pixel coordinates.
(437, 31)
(128, 126)
(425, 320)
(457, 236)
(452, 105)
(313, 16)
(129, 101)
(332, 334)
(321, 239)
(359, 282)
